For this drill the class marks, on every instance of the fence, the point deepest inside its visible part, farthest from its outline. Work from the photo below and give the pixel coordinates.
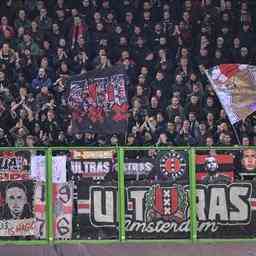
(122, 194)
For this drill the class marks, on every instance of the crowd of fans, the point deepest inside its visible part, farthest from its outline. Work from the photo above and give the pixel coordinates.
(165, 46)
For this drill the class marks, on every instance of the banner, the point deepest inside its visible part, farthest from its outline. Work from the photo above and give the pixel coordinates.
(235, 86)
(16, 215)
(226, 211)
(14, 165)
(166, 165)
(63, 209)
(91, 154)
(98, 101)
(160, 211)
(173, 165)
(156, 198)
(95, 165)
(97, 211)
(157, 212)
(141, 168)
(86, 167)
(152, 212)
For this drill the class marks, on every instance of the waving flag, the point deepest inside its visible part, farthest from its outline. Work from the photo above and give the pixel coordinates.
(98, 101)
(235, 86)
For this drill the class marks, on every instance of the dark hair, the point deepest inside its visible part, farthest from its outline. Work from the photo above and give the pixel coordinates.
(19, 185)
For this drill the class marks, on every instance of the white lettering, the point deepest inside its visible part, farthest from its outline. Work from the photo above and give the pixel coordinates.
(99, 216)
(235, 199)
(166, 227)
(138, 196)
(201, 204)
(218, 204)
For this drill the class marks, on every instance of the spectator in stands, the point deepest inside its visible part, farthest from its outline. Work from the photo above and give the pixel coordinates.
(171, 101)
(41, 81)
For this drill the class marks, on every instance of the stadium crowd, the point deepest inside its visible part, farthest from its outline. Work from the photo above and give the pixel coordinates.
(165, 46)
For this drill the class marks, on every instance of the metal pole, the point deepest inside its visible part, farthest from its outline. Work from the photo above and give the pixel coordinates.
(49, 203)
(121, 194)
(192, 190)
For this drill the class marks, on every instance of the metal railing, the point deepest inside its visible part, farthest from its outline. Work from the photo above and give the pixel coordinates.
(120, 158)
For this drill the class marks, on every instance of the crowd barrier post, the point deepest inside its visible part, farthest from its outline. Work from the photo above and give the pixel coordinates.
(49, 201)
(192, 188)
(121, 193)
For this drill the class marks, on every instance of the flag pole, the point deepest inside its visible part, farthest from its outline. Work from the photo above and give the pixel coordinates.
(236, 135)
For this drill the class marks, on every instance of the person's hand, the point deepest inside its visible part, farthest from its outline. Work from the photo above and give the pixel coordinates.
(52, 105)
(177, 30)
(41, 134)
(84, 56)
(19, 124)
(23, 98)
(126, 62)
(2, 89)
(50, 137)
(60, 83)
(17, 64)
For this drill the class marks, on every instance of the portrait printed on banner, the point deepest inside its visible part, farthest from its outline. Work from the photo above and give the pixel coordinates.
(214, 174)
(249, 160)
(248, 164)
(16, 200)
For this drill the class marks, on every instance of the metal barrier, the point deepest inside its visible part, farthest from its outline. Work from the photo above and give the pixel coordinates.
(124, 194)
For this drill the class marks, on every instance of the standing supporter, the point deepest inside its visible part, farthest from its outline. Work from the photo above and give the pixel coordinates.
(40, 81)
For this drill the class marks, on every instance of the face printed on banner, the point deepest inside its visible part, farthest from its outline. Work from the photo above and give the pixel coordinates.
(16, 214)
(211, 164)
(16, 199)
(249, 159)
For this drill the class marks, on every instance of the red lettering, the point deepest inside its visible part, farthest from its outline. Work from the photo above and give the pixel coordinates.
(24, 227)
(14, 176)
